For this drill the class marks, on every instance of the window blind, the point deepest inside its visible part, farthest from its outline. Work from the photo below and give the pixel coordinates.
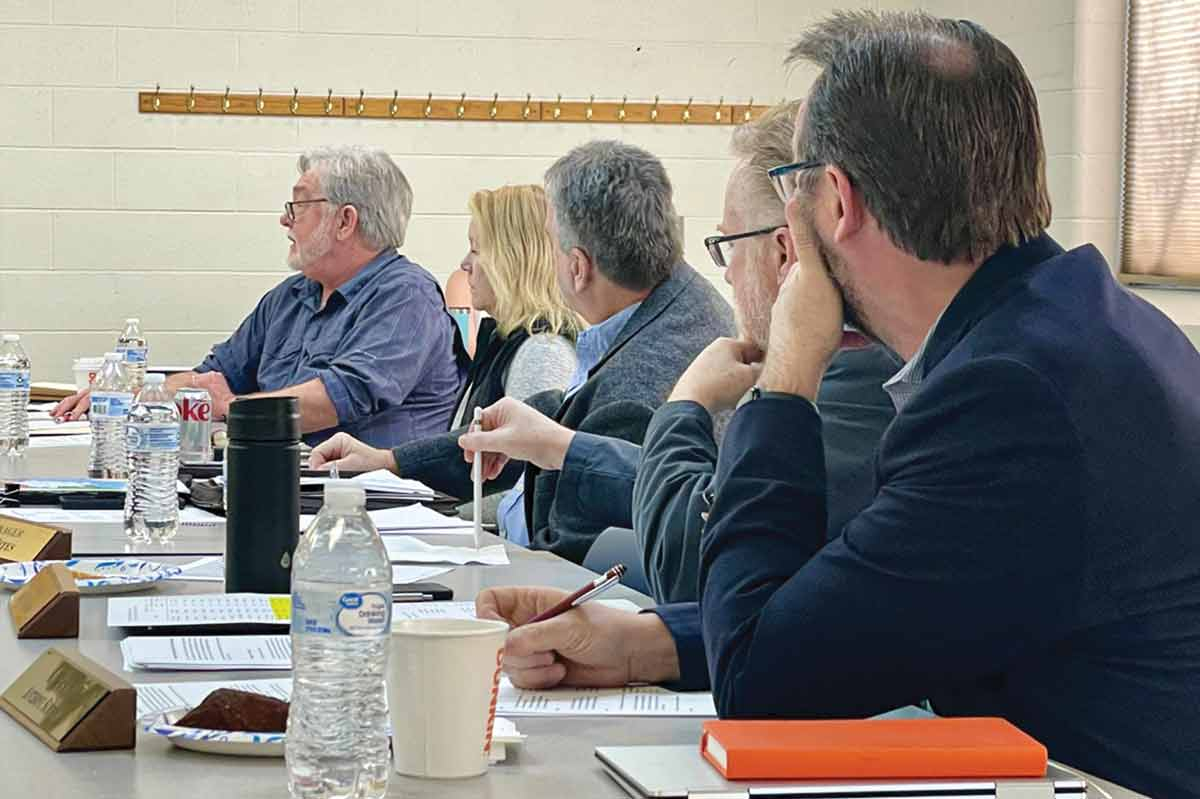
(1160, 207)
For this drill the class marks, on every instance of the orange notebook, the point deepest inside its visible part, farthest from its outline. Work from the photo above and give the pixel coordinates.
(871, 749)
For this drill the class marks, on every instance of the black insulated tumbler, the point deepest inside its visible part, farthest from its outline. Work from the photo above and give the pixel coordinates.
(262, 494)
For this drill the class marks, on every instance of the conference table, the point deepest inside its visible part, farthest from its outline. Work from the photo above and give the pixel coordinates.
(556, 758)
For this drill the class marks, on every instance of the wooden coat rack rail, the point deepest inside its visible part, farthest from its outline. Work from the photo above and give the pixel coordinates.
(462, 109)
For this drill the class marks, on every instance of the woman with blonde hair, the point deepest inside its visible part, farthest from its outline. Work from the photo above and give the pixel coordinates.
(523, 348)
(526, 345)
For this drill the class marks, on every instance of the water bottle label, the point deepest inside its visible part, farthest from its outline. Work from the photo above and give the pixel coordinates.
(152, 437)
(133, 354)
(351, 614)
(14, 380)
(111, 404)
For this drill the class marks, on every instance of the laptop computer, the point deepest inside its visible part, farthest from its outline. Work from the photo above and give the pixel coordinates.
(679, 772)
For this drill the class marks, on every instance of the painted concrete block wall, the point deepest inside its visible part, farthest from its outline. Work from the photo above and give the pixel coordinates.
(107, 213)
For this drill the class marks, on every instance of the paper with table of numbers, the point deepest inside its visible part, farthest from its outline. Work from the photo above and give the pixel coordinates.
(466, 610)
(188, 609)
(633, 700)
(158, 697)
(207, 653)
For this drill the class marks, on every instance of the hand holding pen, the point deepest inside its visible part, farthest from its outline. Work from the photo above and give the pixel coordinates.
(588, 591)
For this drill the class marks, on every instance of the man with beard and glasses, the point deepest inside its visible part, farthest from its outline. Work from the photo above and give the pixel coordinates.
(360, 335)
(660, 489)
(1031, 551)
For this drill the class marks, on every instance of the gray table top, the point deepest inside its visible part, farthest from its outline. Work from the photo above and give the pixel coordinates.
(556, 759)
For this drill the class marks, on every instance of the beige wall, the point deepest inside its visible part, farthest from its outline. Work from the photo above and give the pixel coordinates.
(106, 213)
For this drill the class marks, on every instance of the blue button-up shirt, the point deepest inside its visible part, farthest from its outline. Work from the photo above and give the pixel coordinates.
(589, 349)
(383, 347)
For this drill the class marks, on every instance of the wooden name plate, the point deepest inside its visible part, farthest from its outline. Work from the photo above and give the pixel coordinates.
(48, 605)
(22, 540)
(73, 704)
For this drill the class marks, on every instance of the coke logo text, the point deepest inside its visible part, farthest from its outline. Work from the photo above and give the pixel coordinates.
(193, 411)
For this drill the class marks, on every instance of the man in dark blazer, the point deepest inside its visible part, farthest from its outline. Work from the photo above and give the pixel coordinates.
(1032, 549)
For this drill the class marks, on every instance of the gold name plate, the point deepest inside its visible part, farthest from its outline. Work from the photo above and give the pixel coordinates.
(73, 704)
(22, 540)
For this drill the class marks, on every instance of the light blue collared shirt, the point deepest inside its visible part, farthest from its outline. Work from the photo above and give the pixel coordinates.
(589, 349)
(903, 385)
(382, 345)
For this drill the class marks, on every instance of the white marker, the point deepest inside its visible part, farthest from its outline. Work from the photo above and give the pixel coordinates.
(477, 481)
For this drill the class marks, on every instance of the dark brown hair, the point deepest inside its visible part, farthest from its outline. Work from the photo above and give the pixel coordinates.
(935, 122)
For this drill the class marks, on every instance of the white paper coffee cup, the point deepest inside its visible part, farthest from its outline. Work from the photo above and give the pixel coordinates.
(443, 680)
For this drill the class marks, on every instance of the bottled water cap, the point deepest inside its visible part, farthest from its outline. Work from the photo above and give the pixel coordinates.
(155, 378)
(11, 338)
(343, 496)
(113, 356)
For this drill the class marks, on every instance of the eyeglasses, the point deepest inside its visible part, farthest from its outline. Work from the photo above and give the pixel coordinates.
(720, 248)
(289, 207)
(785, 178)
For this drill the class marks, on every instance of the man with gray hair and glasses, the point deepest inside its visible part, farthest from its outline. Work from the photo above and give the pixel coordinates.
(360, 335)
(661, 489)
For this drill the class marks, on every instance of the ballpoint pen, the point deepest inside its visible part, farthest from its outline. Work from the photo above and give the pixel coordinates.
(591, 590)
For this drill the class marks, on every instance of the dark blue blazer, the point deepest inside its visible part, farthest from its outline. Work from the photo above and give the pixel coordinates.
(1032, 551)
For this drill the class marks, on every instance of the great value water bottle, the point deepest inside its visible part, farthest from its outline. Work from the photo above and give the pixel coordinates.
(112, 397)
(14, 396)
(132, 346)
(152, 448)
(337, 739)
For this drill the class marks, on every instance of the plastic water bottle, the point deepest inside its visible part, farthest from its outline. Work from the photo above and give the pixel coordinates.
(132, 346)
(14, 396)
(337, 733)
(112, 397)
(152, 447)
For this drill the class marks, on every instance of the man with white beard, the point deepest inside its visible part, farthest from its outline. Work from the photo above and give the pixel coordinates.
(360, 334)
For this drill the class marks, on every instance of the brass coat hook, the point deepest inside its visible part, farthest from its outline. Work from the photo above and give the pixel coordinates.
(295, 104)
(493, 111)
(358, 109)
(527, 110)
(654, 110)
(746, 115)
(558, 107)
(329, 103)
(621, 110)
(687, 110)
(720, 104)
(157, 100)
(461, 111)
(260, 104)
(394, 108)
(591, 100)
(191, 100)
(225, 102)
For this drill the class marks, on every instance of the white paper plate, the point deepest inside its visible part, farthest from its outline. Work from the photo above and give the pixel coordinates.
(217, 742)
(119, 575)
(265, 744)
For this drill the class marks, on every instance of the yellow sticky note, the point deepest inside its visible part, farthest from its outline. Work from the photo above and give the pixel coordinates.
(281, 606)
